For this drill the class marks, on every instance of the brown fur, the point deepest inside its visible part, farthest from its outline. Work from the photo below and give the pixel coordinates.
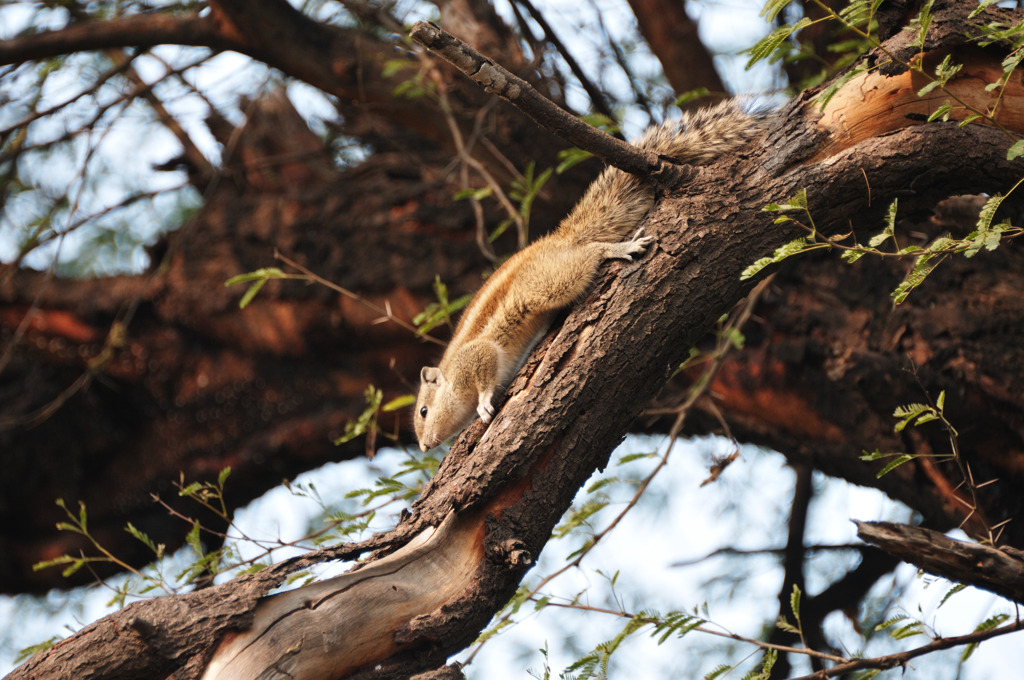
(513, 308)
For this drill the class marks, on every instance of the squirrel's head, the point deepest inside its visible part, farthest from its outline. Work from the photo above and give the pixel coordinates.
(439, 412)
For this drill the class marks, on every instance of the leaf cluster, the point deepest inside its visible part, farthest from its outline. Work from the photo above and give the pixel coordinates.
(925, 258)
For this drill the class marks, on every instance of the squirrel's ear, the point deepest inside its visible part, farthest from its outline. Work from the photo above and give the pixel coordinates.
(430, 374)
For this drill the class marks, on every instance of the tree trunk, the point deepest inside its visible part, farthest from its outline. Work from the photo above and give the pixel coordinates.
(491, 507)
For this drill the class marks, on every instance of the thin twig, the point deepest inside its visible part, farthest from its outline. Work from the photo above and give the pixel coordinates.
(901, 658)
(497, 80)
(638, 95)
(596, 96)
(385, 312)
(710, 631)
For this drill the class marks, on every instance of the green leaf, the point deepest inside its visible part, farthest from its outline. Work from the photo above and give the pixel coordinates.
(258, 275)
(692, 95)
(630, 457)
(794, 602)
(567, 158)
(476, 194)
(55, 562)
(191, 489)
(716, 671)
(890, 226)
(36, 648)
(875, 455)
(783, 624)
(950, 593)
(766, 46)
(890, 622)
(601, 483)
(987, 624)
(893, 464)
(772, 8)
(252, 569)
(158, 550)
(837, 84)
(985, 4)
(923, 266)
(399, 403)
(941, 112)
(797, 202)
(251, 293)
(868, 674)
(859, 12)
(928, 88)
(988, 211)
(922, 21)
(193, 540)
(765, 671)
(909, 630)
(781, 253)
(907, 413)
(393, 66)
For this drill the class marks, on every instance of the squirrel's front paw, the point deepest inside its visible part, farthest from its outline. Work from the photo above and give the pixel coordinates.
(485, 409)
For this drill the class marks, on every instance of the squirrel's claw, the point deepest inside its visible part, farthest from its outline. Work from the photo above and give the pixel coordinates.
(484, 408)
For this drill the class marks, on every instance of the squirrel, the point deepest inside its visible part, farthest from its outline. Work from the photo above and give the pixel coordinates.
(513, 309)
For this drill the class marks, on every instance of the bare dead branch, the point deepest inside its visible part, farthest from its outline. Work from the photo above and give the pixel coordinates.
(497, 80)
(982, 566)
(597, 97)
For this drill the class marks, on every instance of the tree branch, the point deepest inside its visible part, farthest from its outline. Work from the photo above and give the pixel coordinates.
(901, 658)
(504, 486)
(597, 98)
(497, 80)
(982, 566)
(133, 31)
(518, 475)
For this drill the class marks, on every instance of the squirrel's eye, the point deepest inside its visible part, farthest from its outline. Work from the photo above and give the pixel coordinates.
(423, 412)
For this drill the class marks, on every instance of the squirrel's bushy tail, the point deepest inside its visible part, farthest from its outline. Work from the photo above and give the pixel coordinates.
(617, 201)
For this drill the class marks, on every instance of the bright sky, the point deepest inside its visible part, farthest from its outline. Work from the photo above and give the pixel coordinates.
(678, 521)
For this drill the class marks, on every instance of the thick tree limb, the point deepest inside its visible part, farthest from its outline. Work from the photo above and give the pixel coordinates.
(982, 566)
(559, 424)
(510, 482)
(146, 30)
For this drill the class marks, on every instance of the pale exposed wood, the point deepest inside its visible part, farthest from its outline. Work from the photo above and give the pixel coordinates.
(333, 627)
(511, 483)
(555, 426)
(873, 104)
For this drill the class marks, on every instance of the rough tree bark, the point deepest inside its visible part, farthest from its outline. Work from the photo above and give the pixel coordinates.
(281, 377)
(115, 381)
(500, 490)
